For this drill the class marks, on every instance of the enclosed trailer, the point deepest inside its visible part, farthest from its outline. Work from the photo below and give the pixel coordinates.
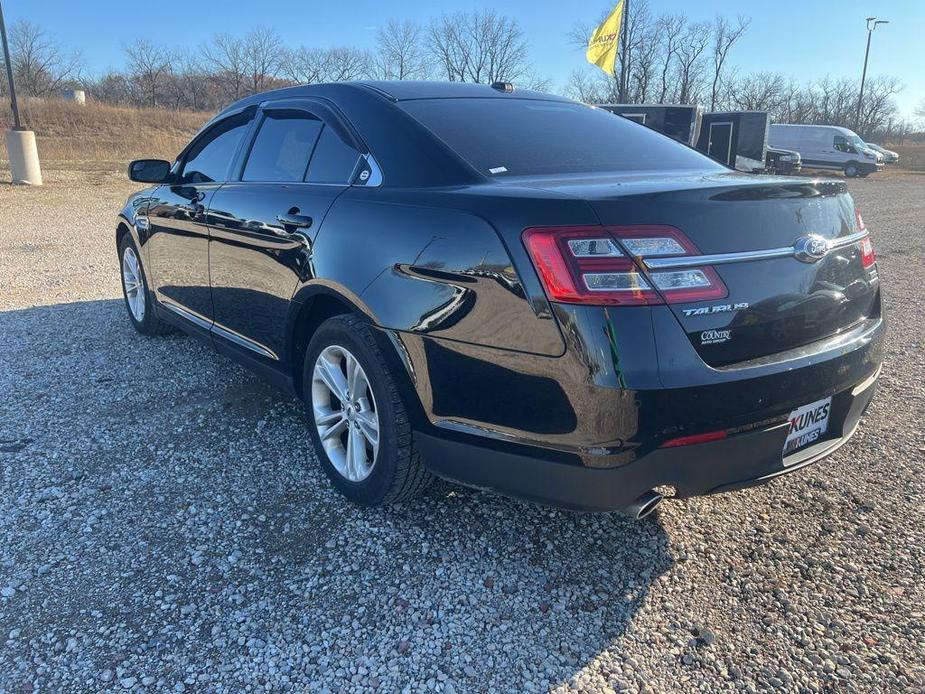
(736, 138)
(680, 122)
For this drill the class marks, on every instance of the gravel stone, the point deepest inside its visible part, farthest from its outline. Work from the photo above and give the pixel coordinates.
(164, 523)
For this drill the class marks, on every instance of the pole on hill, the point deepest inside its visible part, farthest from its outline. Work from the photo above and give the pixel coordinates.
(20, 143)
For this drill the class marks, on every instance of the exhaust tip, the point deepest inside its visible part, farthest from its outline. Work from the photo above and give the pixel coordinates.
(644, 505)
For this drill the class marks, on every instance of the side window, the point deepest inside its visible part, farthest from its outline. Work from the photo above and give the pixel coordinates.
(842, 145)
(209, 158)
(282, 147)
(333, 161)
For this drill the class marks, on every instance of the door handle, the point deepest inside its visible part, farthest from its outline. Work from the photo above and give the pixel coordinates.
(294, 219)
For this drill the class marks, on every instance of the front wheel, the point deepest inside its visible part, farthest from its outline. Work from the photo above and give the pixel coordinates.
(851, 170)
(359, 425)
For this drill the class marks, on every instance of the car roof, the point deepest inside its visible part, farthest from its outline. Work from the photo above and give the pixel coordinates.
(404, 90)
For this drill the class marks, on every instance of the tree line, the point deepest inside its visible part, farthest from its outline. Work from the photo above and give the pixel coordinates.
(670, 59)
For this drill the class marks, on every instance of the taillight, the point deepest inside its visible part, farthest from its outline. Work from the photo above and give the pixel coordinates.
(603, 265)
(868, 257)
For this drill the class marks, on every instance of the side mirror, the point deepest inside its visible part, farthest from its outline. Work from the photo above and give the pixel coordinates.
(149, 170)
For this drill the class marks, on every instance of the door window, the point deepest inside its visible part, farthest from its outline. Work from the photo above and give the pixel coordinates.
(210, 156)
(282, 147)
(334, 161)
(842, 145)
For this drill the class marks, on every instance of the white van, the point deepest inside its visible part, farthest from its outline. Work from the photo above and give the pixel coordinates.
(826, 147)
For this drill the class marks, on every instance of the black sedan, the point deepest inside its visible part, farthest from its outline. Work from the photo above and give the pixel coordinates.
(511, 290)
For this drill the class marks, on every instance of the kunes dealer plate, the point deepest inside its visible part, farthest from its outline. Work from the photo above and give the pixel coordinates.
(807, 425)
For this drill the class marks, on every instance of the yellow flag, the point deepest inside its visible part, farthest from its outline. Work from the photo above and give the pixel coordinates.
(602, 46)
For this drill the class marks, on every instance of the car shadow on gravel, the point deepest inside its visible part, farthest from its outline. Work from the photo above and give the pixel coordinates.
(164, 507)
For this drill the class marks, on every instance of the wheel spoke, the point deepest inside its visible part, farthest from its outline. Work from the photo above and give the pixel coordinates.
(334, 426)
(369, 425)
(356, 455)
(332, 377)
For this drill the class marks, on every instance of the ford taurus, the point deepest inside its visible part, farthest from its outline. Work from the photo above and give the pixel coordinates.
(511, 290)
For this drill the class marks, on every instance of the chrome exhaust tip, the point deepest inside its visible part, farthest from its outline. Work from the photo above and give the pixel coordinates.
(644, 505)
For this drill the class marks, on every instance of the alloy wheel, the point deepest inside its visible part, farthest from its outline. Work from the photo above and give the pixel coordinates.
(133, 284)
(345, 414)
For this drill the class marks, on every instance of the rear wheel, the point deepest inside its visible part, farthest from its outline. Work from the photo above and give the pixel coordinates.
(138, 299)
(359, 425)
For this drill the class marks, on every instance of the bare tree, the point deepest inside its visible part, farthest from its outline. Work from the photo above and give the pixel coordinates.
(148, 68)
(671, 31)
(690, 69)
(920, 109)
(40, 65)
(227, 59)
(262, 50)
(401, 53)
(725, 36)
(480, 47)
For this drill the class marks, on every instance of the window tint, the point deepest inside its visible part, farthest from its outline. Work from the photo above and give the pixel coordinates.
(283, 147)
(210, 157)
(521, 137)
(334, 160)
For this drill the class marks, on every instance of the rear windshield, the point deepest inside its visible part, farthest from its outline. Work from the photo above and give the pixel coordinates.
(520, 137)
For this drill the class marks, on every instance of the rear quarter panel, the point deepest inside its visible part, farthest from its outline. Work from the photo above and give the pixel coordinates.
(430, 262)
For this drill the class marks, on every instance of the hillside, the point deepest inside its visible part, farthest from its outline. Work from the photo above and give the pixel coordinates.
(100, 137)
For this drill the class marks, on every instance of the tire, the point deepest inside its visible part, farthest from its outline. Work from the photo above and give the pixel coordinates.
(851, 170)
(366, 475)
(140, 311)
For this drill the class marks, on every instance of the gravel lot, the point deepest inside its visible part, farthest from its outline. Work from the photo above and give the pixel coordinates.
(164, 527)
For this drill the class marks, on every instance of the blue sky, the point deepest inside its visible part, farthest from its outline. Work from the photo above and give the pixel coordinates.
(807, 39)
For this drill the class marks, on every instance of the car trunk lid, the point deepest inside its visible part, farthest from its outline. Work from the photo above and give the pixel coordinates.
(788, 252)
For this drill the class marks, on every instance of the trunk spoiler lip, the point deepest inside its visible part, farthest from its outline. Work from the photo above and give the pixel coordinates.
(747, 256)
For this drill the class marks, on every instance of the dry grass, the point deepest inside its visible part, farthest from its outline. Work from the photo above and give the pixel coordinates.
(911, 155)
(99, 137)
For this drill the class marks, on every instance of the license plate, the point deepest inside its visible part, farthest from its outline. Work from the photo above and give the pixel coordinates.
(807, 425)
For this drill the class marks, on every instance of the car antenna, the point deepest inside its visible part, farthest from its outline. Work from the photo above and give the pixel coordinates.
(506, 87)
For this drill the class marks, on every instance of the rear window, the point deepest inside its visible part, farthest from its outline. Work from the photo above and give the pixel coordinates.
(520, 137)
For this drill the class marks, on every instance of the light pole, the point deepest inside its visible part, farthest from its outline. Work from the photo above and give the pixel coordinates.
(20, 143)
(872, 23)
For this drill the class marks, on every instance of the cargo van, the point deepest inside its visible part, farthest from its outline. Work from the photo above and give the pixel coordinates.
(826, 147)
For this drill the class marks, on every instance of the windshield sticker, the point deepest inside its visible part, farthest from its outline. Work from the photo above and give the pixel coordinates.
(498, 169)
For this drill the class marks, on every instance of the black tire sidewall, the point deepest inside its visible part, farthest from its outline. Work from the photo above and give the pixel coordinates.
(851, 170)
(372, 490)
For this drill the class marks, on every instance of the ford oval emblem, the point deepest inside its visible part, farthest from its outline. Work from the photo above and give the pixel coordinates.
(811, 248)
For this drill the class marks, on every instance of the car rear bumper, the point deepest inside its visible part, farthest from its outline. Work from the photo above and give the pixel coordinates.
(739, 461)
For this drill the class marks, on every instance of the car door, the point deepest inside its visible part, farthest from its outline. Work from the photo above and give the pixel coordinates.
(264, 223)
(178, 250)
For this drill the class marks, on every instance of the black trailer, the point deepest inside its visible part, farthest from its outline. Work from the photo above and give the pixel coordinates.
(736, 138)
(680, 122)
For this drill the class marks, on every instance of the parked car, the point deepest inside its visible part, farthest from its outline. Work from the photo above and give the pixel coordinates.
(889, 156)
(826, 147)
(783, 162)
(558, 304)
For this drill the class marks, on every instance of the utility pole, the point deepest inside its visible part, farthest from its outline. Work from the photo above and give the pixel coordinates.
(20, 143)
(872, 23)
(624, 50)
(9, 73)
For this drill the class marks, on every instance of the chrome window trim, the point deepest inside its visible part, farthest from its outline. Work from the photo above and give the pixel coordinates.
(745, 256)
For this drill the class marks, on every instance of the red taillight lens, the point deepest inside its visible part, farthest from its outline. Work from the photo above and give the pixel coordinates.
(694, 439)
(584, 265)
(603, 265)
(868, 257)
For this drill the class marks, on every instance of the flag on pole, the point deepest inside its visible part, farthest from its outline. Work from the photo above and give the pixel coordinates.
(602, 46)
